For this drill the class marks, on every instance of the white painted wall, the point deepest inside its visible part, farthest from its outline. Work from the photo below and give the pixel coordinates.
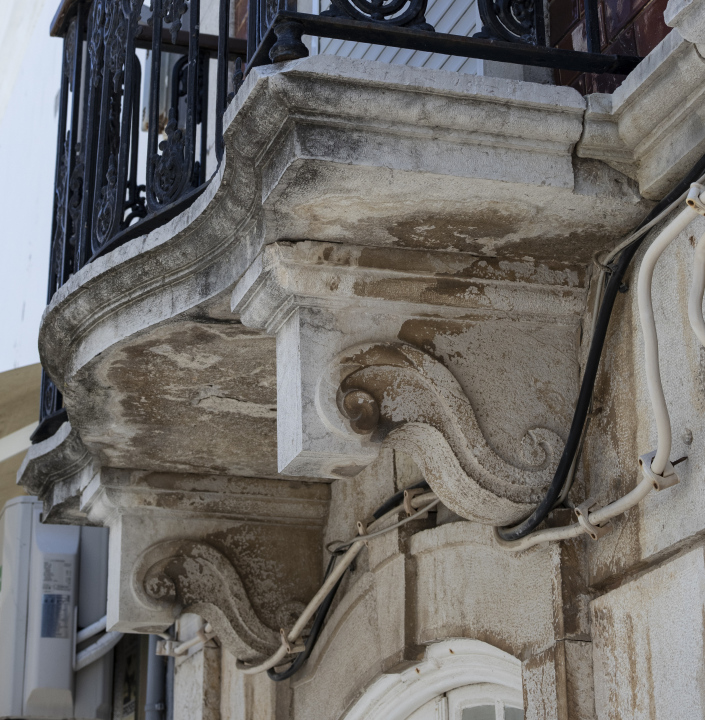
(458, 17)
(30, 67)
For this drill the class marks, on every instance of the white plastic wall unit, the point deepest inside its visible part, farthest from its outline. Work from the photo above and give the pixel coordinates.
(93, 689)
(53, 576)
(15, 543)
(46, 570)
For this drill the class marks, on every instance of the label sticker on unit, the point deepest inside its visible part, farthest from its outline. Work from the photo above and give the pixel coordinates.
(57, 583)
(58, 576)
(56, 614)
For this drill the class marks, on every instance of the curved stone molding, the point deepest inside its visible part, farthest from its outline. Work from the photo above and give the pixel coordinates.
(56, 470)
(447, 665)
(192, 576)
(386, 386)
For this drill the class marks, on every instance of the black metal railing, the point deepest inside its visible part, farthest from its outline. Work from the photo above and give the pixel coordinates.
(113, 184)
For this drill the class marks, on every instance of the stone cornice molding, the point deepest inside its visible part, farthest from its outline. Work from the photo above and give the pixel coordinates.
(53, 461)
(192, 576)
(451, 285)
(651, 126)
(260, 500)
(401, 393)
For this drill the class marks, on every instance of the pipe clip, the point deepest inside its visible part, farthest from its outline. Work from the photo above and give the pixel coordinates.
(166, 647)
(693, 200)
(290, 649)
(582, 512)
(660, 482)
(409, 495)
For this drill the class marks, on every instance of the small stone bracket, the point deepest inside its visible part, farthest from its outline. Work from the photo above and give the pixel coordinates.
(594, 531)
(661, 482)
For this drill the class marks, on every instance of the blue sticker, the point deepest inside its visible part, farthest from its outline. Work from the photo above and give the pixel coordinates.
(55, 615)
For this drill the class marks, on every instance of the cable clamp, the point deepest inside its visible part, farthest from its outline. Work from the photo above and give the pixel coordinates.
(582, 512)
(693, 200)
(660, 482)
(290, 649)
(166, 647)
(409, 495)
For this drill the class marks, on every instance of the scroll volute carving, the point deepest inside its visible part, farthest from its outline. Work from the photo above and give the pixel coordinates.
(192, 576)
(399, 394)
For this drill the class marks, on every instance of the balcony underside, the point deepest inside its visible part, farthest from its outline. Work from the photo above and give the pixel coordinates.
(157, 372)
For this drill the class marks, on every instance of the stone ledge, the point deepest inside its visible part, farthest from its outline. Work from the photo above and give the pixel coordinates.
(653, 125)
(154, 278)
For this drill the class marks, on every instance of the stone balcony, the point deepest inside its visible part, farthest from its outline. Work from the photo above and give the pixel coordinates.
(367, 219)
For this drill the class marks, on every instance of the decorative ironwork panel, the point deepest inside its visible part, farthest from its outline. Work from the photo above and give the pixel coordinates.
(99, 199)
(402, 13)
(512, 21)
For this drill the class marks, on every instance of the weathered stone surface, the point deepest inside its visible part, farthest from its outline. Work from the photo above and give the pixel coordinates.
(651, 127)
(197, 686)
(227, 548)
(415, 339)
(56, 470)
(624, 427)
(648, 643)
(364, 203)
(688, 17)
(324, 148)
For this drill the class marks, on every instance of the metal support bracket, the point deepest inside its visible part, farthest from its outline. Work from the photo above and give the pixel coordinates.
(661, 482)
(582, 512)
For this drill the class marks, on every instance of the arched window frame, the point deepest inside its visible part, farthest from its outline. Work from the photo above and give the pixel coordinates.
(447, 666)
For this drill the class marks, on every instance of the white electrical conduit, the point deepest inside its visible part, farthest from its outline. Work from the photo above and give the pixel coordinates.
(646, 313)
(612, 254)
(697, 289)
(597, 518)
(96, 651)
(356, 545)
(653, 377)
(91, 630)
(202, 636)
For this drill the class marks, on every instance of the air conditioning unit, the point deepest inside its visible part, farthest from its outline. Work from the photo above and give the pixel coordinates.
(53, 580)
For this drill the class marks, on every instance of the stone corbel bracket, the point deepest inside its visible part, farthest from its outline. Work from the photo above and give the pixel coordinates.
(401, 393)
(192, 576)
(345, 382)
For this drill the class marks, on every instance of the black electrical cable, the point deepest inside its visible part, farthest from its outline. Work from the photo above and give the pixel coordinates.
(316, 628)
(591, 366)
(396, 499)
(320, 616)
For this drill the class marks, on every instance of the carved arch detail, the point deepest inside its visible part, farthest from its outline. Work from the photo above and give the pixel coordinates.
(396, 393)
(192, 576)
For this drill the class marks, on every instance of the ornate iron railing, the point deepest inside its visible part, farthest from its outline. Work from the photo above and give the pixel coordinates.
(110, 187)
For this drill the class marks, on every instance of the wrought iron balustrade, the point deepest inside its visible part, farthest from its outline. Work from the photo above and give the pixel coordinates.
(115, 181)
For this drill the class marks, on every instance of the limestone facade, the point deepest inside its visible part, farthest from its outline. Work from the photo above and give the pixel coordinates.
(391, 279)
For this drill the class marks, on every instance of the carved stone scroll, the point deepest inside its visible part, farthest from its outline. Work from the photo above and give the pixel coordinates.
(192, 576)
(399, 394)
